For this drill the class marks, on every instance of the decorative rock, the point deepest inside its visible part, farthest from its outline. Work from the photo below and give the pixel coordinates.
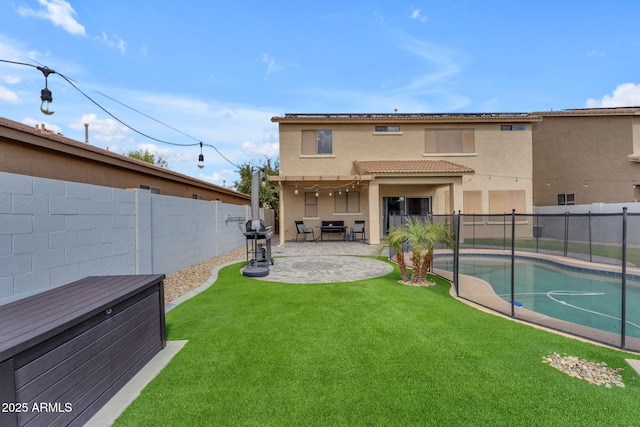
(593, 373)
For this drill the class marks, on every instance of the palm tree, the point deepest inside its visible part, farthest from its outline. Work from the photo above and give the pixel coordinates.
(397, 240)
(422, 236)
(435, 233)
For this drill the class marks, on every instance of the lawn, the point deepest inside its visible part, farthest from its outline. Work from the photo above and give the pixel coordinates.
(371, 352)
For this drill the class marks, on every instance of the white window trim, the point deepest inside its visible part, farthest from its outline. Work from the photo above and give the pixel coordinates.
(387, 133)
(316, 156)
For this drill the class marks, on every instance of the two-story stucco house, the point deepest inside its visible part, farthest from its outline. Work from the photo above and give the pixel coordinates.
(584, 156)
(350, 167)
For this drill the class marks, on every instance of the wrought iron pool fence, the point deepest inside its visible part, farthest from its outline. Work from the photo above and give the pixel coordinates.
(573, 272)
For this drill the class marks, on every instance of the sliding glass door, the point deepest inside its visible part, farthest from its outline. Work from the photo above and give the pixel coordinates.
(394, 208)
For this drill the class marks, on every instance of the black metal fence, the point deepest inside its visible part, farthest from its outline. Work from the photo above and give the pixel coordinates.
(571, 272)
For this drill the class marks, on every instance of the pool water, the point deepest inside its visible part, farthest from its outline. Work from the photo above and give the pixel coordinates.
(584, 298)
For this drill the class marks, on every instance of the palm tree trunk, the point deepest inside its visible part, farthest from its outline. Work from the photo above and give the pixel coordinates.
(417, 277)
(402, 265)
(426, 263)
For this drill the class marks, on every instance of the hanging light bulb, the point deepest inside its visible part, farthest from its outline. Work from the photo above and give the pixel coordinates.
(201, 157)
(548, 183)
(330, 193)
(295, 191)
(316, 191)
(340, 191)
(45, 94)
(586, 184)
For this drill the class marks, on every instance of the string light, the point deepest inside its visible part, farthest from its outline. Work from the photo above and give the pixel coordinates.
(331, 189)
(47, 97)
(201, 157)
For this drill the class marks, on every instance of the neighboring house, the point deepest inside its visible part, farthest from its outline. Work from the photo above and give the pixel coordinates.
(370, 167)
(36, 151)
(586, 156)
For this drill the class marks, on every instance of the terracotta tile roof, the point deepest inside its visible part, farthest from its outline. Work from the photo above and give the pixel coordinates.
(434, 167)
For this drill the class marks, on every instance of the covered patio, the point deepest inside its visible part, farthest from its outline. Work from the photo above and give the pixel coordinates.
(378, 190)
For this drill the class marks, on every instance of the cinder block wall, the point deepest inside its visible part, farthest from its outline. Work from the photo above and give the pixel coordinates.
(54, 232)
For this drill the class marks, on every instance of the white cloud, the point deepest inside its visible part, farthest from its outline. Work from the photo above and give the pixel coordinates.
(171, 154)
(116, 42)
(7, 96)
(271, 64)
(224, 177)
(59, 12)
(418, 16)
(10, 79)
(595, 54)
(105, 130)
(625, 95)
(445, 63)
(269, 149)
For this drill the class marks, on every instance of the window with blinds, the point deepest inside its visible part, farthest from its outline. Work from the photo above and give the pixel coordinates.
(317, 142)
(449, 141)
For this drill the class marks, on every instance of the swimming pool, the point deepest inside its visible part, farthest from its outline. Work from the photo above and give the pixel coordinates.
(586, 297)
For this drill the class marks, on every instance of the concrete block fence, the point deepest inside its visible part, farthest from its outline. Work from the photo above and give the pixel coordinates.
(55, 232)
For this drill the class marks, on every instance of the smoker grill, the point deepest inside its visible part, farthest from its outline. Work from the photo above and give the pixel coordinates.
(258, 245)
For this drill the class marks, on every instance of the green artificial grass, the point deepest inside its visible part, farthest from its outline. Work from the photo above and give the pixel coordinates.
(371, 352)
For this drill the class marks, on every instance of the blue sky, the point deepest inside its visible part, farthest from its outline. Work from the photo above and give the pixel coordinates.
(218, 71)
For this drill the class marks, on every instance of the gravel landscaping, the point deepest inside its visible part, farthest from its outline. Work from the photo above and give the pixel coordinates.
(593, 373)
(196, 275)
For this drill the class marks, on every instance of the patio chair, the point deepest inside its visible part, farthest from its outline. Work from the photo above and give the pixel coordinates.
(302, 229)
(358, 228)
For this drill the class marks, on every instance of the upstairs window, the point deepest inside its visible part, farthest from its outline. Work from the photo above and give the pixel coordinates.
(511, 127)
(449, 141)
(317, 142)
(387, 129)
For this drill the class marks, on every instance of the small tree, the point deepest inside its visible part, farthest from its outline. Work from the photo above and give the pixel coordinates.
(421, 236)
(148, 157)
(269, 194)
(397, 240)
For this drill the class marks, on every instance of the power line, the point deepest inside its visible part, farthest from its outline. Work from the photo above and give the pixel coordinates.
(46, 71)
(147, 116)
(170, 127)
